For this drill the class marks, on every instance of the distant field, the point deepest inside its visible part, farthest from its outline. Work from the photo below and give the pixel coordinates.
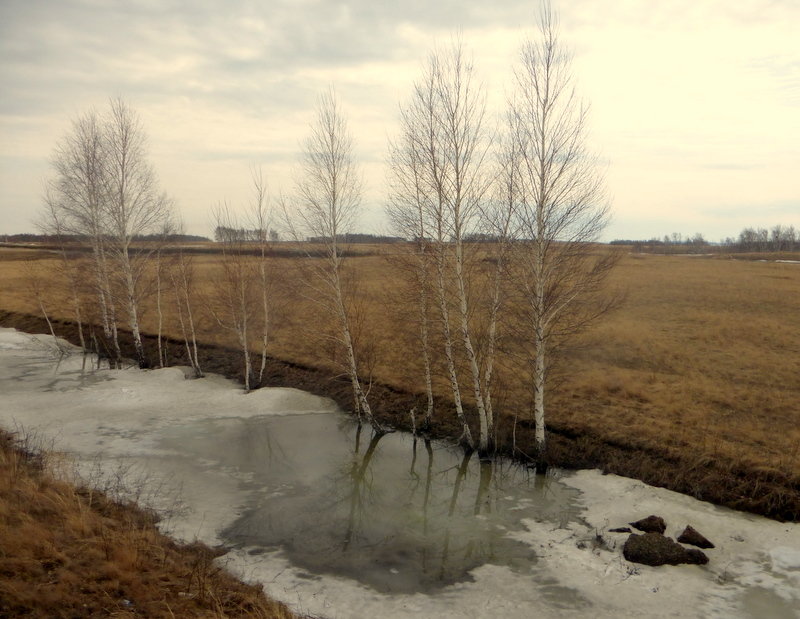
(701, 361)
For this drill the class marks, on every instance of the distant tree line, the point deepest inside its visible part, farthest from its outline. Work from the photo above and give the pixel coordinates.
(358, 238)
(670, 243)
(227, 234)
(779, 238)
(78, 238)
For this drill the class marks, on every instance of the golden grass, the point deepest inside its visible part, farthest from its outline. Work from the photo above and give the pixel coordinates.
(701, 358)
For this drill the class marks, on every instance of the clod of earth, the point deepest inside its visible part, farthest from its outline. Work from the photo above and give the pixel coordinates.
(655, 549)
(693, 537)
(651, 524)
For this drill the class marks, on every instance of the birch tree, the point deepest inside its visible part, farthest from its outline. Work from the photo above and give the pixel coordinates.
(234, 303)
(242, 300)
(260, 216)
(559, 206)
(133, 206)
(70, 272)
(407, 212)
(75, 206)
(440, 169)
(329, 195)
(181, 275)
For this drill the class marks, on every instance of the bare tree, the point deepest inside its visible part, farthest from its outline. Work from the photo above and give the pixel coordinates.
(242, 300)
(559, 206)
(498, 219)
(133, 206)
(260, 216)
(329, 194)
(75, 201)
(407, 212)
(233, 303)
(439, 169)
(51, 224)
(181, 273)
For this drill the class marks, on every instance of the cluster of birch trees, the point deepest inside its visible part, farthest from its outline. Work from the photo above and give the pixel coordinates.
(501, 222)
(533, 188)
(106, 193)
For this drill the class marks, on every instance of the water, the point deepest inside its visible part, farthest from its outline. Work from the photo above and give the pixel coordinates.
(394, 513)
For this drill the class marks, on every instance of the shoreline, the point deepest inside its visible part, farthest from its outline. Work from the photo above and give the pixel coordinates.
(728, 484)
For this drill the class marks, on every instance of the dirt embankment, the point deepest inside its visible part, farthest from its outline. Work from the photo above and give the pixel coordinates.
(725, 483)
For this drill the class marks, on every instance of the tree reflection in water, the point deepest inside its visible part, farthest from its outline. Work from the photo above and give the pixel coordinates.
(395, 512)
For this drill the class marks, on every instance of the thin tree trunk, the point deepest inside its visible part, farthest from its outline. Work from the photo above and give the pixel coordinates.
(193, 353)
(492, 335)
(133, 314)
(484, 423)
(363, 403)
(426, 355)
(158, 310)
(76, 301)
(538, 386)
(107, 305)
(243, 336)
(182, 323)
(265, 309)
(466, 435)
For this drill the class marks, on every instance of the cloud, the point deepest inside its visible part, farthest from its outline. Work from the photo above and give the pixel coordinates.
(687, 97)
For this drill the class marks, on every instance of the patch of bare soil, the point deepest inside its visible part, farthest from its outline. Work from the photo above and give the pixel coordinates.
(722, 482)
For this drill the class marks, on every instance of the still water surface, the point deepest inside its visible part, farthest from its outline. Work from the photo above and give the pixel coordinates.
(395, 513)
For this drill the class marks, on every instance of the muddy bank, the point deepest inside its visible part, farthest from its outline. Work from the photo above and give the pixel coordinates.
(724, 483)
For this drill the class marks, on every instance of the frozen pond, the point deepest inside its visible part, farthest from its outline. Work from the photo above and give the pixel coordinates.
(391, 513)
(342, 523)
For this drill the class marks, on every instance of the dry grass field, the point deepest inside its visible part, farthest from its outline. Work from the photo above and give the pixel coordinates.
(700, 363)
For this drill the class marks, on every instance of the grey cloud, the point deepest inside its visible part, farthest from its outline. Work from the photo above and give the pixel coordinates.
(246, 55)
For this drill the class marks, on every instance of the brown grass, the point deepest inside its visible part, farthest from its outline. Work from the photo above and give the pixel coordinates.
(699, 367)
(71, 552)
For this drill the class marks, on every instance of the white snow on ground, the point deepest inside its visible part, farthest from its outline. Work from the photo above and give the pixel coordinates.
(751, 552)
(113, 418)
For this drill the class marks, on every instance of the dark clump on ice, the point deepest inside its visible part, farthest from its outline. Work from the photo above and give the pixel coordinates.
(651, 524)
(655, 549)
(691, 536)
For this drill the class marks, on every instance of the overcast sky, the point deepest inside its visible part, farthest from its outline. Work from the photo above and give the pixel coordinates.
(695, 104)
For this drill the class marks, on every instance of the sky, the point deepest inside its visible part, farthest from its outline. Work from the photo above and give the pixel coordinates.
(694, 104)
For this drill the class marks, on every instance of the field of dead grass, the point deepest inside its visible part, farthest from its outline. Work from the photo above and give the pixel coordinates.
(701, 362)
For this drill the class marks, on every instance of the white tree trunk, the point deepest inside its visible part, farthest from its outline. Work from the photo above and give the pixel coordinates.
(538, 386)
(426, 356)
(448, 346)
(158, 310)
(483, 421)
(265, 309)
(133, 310)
